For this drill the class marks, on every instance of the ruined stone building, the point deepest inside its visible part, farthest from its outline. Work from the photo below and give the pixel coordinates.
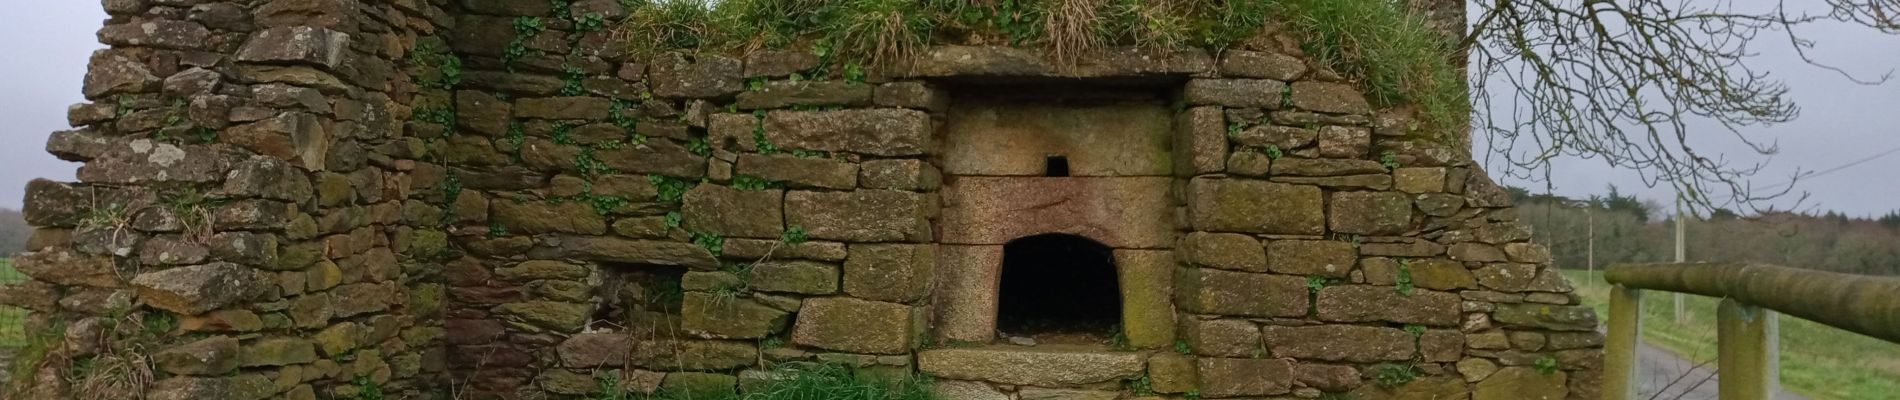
(428, 199)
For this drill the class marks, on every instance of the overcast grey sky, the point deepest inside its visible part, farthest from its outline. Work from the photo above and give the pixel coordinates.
(1840, 122)
(46, 50)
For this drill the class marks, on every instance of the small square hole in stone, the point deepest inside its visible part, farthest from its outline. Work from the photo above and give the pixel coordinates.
(1056, 166)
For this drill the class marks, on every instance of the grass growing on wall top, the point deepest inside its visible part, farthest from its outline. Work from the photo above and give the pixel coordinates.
(1395, 55)
(1391, 53)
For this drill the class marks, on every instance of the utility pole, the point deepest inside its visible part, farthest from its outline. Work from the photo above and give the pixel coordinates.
(1590, 215)
(1681, 255)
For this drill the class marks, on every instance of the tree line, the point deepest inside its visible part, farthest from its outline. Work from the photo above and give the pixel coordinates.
(1627, 229)
(13, 232)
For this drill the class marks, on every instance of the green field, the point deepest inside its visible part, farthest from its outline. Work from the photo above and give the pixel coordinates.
(1817, 361)
(11, 319)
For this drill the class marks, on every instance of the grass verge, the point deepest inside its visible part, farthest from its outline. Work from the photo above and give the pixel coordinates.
(1817, 360)
(806, 381)
(12, 319)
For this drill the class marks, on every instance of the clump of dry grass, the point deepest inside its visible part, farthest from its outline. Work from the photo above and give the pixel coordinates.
(665, 25)
(106, 359)
(880, 31)
(1071, 26)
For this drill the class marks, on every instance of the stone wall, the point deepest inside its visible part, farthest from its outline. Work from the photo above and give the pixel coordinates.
(492, 199)
(244, 217)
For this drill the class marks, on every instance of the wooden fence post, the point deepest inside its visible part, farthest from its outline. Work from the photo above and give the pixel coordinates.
(1624, 336)
(1748, 339)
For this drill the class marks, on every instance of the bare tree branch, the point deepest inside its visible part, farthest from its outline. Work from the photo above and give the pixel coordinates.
(1625, 81)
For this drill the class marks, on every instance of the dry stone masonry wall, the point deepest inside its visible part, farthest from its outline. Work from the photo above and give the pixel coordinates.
(494, 199)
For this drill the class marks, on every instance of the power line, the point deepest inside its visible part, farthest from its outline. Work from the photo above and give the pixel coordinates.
(1817, 174)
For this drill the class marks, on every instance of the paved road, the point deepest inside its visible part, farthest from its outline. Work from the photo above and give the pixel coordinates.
(1680, 379)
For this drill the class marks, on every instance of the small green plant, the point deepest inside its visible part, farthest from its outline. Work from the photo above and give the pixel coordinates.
(772, 342)
(853, 74)
(563, 9)
(563, 134)
(525, 29)
(514, 139)
(122, 105)
(1234, 129)
(193, 210)
(1181, 346)
(672, 219)
(671, 190)
(1545, 365)
(620, 112)
(205, 135)
(1315, 283)
(368, 389)
(608, 388)
(1394, 375)
(1119, 340)
(572, 80)
(764, 144)
(712, 242)
(727, 296)
(1019, 20)
(590, 22)
(1274, 152)
(605, 205)
(748, 182)
(589, 164)
(158, 323)
(795, 235)
(1404, 279)
(1389, 160)
(108, 216)
(698, 145)
(436, 66)
(1142, 386)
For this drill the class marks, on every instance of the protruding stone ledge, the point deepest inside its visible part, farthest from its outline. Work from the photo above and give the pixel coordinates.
(1043, 367)
(983, 61)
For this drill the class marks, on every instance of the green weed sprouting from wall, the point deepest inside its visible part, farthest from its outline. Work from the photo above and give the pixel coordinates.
(795, 235)
(712, 242)
(622, 117)
(1403, 279)
(1545, 365)
(1395, 55)
(1394, 375)
(525, 29)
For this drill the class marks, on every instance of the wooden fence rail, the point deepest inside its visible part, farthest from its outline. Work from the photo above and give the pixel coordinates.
(1746, 327)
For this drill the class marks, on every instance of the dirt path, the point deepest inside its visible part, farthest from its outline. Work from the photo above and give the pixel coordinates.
(1678, 378)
